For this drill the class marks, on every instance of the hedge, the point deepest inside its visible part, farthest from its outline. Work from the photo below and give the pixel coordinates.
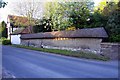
(5, 41)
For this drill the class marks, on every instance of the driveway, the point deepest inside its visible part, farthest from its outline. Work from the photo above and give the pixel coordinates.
(24, 63)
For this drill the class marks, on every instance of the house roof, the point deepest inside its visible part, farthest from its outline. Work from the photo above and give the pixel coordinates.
(85, 33)
(18, 31)
(27, 30)
(19, 20)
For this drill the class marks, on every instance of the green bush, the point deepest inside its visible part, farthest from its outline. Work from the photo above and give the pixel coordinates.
(5, 41)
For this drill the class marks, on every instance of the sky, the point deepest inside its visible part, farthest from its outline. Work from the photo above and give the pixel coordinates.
(4, 12)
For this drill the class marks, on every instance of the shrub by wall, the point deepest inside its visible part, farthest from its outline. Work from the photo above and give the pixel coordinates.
(5, 41)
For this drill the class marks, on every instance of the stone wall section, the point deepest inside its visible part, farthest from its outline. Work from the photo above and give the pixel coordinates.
(111, 50)
(94, 45)
(89, 44)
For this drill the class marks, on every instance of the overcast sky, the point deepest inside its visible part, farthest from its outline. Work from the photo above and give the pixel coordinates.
(9, 8)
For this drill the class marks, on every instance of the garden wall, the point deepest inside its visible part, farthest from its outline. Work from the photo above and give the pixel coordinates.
(86, 44)
(111, 50)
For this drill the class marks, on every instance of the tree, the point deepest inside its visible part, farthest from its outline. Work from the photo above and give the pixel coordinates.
(108, 16)
(79, 13)
(43, 26)
(67, 14)
(113, 23)
(97, 20)
(2, 4)
(29, 9)
(3, 30)
(53, 11)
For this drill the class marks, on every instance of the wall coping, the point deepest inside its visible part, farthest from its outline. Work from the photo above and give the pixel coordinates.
(108, 43)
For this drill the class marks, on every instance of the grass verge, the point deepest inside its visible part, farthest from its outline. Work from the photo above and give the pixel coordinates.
(67, 53)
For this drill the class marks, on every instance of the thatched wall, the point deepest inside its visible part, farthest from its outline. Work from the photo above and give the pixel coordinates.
(92, 44)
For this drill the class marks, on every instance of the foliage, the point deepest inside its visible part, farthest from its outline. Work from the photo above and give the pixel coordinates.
(2, 4)
(54, 11)
(21, 21)
(5, 41)
(75, 15)
(3, 30)
(71, 28)
(108, 15)
(79, 13)
(30, 9)
(97, 20)
(67, 53)
(113, 23)
(60, 17)
(43, 26)
(67, 14)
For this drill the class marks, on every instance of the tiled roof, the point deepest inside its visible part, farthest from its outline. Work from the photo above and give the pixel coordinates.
(19, 21)
(18, 31)
(27, 30)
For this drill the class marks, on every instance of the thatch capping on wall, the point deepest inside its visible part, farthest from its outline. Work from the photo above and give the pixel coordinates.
(80, 33)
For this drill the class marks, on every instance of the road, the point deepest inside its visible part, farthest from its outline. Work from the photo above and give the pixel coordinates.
(24, 63)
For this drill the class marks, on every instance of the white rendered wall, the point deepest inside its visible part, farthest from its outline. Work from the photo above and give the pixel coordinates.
(9, 29)
(15, 39)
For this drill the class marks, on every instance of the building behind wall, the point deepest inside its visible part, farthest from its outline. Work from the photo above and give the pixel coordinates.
(16, 23)
(15, 35)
